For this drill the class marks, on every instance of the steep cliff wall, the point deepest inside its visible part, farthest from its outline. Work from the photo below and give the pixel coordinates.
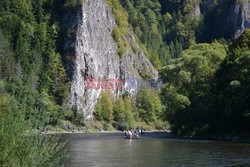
(239, 16)
(226, 18)
(96, 55)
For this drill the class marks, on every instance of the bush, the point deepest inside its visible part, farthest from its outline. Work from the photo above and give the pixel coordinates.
(123, 115)
(22, 146)
(93, 126)
(149, 105)
(160, 125)
(104, 108)
(122, 125)
(75, 116)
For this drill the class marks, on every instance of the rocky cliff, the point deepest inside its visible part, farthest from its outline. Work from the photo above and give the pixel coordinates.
(239, 17)
(226, 18)
(95, 55)
(195, 10)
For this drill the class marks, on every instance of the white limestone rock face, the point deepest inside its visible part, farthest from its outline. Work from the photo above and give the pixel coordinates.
(96, 56)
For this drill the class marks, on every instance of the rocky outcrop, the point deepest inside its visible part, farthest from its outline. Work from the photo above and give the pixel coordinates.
(226, 18)
(195, 11)
(239, 16)
(96, 55)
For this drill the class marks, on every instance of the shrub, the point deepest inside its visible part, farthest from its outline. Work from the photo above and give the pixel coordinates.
(20, 145)
(104, 108)
(161, 125)
(123, 114)
(75, 116)
(149, 105)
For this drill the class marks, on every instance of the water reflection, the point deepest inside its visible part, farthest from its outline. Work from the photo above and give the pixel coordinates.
(107, 150)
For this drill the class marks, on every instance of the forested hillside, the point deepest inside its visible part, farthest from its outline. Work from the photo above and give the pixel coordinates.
(167, 27)
(33, 83)
(204, 67)
(206, 89)
(205, 84)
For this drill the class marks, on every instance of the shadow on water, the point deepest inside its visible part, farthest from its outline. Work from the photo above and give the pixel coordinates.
(154, 149)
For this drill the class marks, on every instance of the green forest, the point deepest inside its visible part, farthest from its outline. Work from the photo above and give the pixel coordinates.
(205, 90)
(206, 75)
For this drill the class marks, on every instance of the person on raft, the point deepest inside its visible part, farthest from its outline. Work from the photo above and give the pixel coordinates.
(133, 134)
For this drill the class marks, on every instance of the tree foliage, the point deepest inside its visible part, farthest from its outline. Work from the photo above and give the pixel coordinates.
(20, 144)
(121, 30)
(123, 114)
(206, 89)
(149, 106)
(104, 108)
(187, 81)
(32, 82)
(230, 93)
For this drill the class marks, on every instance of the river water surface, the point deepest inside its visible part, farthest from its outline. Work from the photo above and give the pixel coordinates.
(153, 150)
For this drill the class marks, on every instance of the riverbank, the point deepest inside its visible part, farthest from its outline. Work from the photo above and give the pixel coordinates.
(164, 133)
(241, 137)
(95, 127)
(97, 132)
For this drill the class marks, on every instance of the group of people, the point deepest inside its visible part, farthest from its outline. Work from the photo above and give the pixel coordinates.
(133, 134)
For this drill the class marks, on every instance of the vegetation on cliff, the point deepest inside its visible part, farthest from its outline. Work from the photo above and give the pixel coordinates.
(206, 85)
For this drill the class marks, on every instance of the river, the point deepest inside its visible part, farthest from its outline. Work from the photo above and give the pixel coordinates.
(153, 150)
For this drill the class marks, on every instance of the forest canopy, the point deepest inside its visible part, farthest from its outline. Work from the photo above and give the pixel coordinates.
(206, 74)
